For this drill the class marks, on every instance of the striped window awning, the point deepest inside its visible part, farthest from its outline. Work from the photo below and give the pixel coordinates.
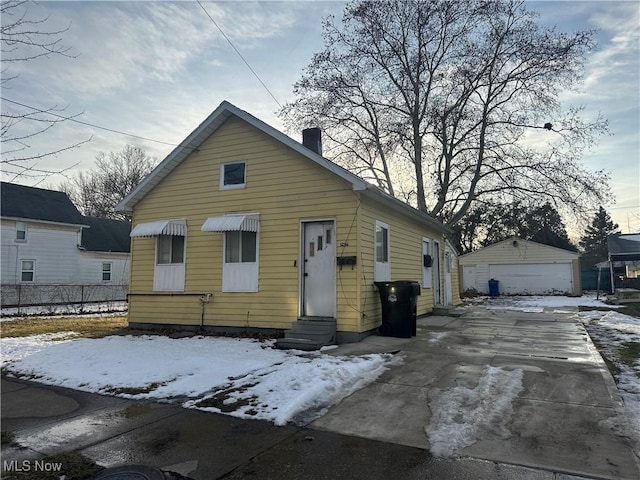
(161, 227)
(232, 223)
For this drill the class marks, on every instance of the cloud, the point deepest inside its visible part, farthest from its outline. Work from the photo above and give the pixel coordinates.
(124, 45)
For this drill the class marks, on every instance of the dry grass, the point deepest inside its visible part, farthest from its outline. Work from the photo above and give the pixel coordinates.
(91, 327)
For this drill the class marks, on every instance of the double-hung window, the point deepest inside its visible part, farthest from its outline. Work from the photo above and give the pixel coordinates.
(382, 269)
(28, 270)
(106, 272)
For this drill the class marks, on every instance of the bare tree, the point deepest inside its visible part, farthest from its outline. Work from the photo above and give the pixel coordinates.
(97, 192)
(24, 39)
(448, 103)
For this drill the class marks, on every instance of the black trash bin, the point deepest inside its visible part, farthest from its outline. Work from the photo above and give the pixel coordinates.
(399, 307)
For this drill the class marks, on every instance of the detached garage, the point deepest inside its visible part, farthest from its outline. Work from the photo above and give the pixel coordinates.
(523, 268)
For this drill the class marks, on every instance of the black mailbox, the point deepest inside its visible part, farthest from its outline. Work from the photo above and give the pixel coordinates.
(427, 261)
(347, 260)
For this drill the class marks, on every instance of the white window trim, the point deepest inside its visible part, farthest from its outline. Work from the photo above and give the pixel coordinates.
(381, 270)
(427, 272)
(26, 233)
(232, 270)
(22, 270)
(233, 187)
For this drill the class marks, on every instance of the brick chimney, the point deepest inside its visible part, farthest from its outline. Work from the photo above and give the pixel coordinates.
(312, 139)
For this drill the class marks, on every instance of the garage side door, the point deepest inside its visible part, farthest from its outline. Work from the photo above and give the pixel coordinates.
(536, 279)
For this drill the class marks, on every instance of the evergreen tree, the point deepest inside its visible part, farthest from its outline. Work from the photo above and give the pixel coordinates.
(544, 225)
(594, 241)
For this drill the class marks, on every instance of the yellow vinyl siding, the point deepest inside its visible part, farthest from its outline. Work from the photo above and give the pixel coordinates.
(284, 188)
(405, 238)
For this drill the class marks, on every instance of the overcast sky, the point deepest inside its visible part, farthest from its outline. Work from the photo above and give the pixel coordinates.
(157, 69)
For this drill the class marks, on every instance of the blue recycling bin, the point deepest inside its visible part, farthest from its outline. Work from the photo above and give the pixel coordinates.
(494, 290)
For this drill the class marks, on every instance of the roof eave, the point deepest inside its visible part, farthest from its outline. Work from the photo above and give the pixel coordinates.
(402, 207)
(48, 222)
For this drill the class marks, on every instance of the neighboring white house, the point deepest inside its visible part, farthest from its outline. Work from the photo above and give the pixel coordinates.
(522, 267)
(46, 242)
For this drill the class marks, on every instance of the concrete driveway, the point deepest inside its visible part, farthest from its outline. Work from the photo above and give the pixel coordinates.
(561, 420)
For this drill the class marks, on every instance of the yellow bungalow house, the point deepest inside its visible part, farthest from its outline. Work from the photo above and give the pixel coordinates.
(241, 228)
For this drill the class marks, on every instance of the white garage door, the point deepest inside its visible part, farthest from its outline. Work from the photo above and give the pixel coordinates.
(539, 279)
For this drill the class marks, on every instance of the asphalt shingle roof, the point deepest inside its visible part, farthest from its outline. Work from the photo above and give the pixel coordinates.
(20, 201)
(624, 246)
(106, 235)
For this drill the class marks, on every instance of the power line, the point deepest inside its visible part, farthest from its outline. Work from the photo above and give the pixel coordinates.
(239, 54)
(72, 119)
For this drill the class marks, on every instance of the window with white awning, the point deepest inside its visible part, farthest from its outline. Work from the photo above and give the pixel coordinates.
(240, 252)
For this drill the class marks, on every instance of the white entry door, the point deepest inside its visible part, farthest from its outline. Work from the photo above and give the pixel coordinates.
(319, 269)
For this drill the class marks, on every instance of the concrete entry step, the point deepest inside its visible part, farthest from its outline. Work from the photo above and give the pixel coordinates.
(309, 333)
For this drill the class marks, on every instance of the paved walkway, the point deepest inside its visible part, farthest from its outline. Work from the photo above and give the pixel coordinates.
(557, 429)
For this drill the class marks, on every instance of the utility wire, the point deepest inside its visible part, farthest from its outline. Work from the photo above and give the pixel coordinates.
(239, 54)
(71, 119)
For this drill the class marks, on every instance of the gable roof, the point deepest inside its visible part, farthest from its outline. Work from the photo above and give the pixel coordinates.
(525, 241)
(220, 115)
(22, 202)
(106, 235)
(624, 246)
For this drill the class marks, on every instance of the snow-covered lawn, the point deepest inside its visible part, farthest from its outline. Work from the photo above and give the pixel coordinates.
(618, 338)
(240, 377)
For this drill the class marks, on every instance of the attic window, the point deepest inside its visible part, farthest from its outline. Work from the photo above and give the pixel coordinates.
(232, 175)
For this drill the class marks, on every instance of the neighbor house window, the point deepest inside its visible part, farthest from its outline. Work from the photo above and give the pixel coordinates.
(170, 249)
(28, 270)
(232, 175)
(106, 272)
(240, 268)
(21, 231)
(382, 270)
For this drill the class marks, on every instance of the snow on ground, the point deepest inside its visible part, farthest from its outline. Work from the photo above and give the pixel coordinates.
(616, 334)
(240, 377)
(538, 303)
(460, 415)
(88, 309)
